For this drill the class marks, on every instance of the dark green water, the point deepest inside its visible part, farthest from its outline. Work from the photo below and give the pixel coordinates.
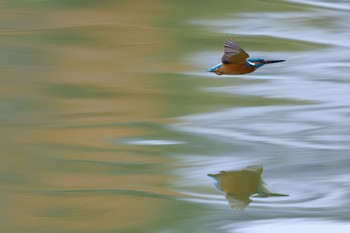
(109, 122)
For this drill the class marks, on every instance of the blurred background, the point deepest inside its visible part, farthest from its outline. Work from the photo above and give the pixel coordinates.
(109, 122)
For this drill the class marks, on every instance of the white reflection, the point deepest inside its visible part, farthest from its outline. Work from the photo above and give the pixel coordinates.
(292, 226)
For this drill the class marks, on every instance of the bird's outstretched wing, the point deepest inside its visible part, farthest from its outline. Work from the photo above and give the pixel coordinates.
(233, 53)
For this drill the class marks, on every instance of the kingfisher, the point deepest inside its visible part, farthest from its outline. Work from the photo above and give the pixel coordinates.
(236, 61)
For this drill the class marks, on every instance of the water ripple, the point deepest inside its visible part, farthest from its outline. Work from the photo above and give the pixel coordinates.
(319, 225)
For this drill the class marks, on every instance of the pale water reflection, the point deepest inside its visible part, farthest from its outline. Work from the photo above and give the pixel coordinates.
(297, 225)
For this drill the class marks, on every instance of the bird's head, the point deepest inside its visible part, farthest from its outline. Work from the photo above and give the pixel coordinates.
(259, 62)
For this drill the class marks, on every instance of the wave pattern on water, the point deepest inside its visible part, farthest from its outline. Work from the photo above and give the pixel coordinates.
(304, 147)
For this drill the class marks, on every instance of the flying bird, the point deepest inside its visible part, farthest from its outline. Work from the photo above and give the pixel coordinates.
(236, 61)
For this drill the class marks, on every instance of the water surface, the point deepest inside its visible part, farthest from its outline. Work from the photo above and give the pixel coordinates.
(109, 122)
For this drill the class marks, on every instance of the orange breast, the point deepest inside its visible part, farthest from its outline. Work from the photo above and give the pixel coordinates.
(236, 69)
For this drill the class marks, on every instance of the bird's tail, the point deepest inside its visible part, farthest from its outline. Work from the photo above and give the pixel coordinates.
(214, 67)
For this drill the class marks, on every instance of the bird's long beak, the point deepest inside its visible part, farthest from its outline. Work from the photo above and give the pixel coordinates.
(273, 61)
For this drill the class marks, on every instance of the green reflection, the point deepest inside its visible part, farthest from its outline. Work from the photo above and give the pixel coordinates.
(59, 3)
(78, 91)
(240, 185)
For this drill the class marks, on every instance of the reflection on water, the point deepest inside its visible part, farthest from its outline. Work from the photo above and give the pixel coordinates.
(296, 225)
(240, 185)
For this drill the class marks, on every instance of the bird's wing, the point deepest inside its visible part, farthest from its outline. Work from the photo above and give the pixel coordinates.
(256, 169)
(233, 53)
